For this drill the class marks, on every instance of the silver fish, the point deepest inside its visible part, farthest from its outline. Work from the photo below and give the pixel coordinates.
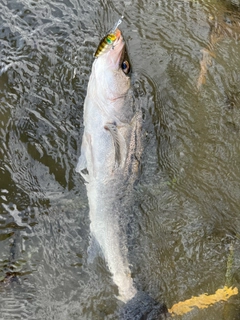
(110, 152)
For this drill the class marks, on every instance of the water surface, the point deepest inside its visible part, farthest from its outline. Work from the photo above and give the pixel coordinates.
(187, 200)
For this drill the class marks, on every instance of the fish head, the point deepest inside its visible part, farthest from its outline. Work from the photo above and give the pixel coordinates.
(112, 69)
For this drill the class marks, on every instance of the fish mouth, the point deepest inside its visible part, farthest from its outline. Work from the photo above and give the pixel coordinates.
(123, 54)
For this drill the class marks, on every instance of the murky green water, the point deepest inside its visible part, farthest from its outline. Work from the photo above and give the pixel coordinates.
(187, 207)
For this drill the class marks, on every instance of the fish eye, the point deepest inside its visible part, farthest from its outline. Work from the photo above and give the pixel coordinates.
(125, 67)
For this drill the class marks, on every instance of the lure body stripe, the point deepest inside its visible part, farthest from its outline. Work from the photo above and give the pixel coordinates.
(105, 44)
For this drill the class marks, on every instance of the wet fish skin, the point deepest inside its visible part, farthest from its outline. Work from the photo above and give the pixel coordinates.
(109, 161)
(110, 152)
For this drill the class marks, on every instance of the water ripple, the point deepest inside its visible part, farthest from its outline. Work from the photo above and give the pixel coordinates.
(187, 199)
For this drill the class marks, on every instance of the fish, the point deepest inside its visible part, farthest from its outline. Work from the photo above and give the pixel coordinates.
(109, 163)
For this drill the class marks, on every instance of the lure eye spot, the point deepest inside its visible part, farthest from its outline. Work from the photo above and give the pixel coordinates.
(109, 40)
(125, 67)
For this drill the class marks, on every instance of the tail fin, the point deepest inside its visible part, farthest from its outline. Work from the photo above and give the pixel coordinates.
(143, 307)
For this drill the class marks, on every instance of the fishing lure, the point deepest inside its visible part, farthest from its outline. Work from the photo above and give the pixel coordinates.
(107, 42)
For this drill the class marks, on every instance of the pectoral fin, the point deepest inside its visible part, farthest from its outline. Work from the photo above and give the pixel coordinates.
(112, 128)
(82, 166)
(82, 163)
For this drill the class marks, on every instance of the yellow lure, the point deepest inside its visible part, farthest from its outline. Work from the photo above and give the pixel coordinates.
(105, 44)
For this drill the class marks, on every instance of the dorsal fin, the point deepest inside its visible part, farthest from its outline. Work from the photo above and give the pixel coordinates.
(112, 128)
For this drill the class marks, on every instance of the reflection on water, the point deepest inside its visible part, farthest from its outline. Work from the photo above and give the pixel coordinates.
(186, 214)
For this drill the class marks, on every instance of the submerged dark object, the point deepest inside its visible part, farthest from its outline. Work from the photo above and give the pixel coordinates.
(143, 307)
